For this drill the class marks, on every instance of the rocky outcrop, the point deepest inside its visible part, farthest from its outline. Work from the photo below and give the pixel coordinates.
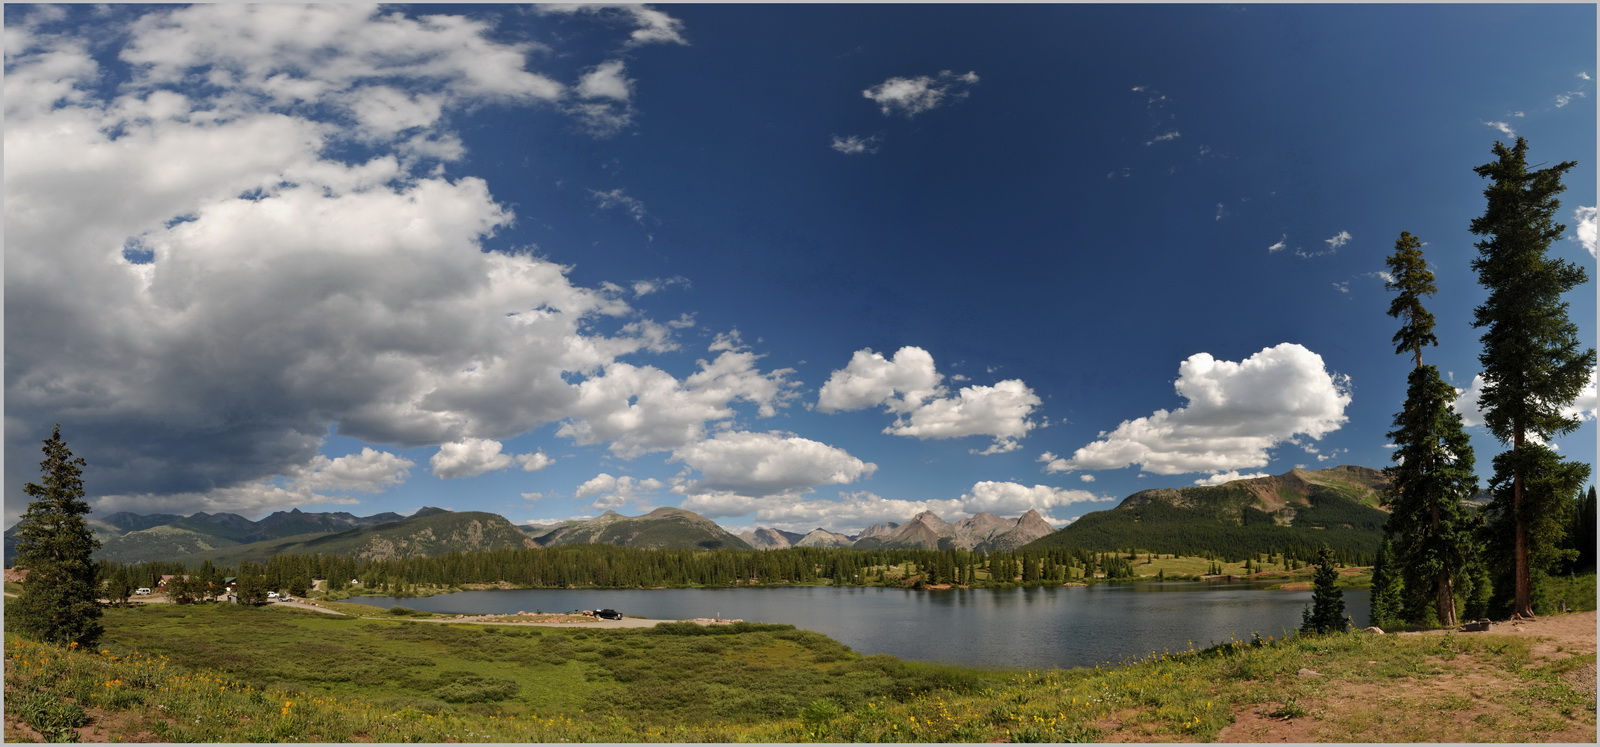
(820, 537)
(764, 538)
(1024, 529)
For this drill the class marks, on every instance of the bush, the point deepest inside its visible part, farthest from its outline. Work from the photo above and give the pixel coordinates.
(465, 687)
(820, 712)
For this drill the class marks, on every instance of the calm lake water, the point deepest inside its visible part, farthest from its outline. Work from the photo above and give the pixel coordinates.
(1031, 627)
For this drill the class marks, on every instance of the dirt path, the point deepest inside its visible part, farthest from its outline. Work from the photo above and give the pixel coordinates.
(299, 605)
(1460, 696)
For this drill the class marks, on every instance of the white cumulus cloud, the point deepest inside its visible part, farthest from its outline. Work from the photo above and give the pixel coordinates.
(1223, 477)
(912, 96)
(762, 464)
(196, 253)
(1235, 413)
(909, 386)
(469, 458)
(370, 471)
(1013, 499)
(614, 492)
(640, 409)
(1586, 227)
(533, 462)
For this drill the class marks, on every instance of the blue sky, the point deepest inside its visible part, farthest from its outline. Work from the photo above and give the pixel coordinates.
(789, 266)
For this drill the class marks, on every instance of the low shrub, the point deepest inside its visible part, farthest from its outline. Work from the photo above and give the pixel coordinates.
(689, 628)
(50, 715)
(465, 687)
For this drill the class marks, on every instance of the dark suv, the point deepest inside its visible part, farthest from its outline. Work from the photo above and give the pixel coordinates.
(608, 615)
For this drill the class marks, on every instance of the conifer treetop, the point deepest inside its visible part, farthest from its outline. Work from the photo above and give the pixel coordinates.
(1413, 280)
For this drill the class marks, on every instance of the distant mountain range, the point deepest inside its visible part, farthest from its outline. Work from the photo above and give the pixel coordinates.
(661, 529)
(1337, 506)
(132, 538)
(983, 532)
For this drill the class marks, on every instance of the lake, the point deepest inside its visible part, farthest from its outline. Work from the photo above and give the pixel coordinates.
(1025, 627)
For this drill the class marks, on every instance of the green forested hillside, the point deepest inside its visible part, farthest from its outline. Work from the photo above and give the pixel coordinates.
(1298, 511)
(163, 541)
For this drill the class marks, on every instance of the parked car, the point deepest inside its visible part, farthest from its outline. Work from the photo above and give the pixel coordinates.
(272, 595)
(608, 614)
(141, 591)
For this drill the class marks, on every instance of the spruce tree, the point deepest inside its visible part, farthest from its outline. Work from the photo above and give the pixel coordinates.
(119, 586)
(253, 589)
(1429, 536)
(1430, 526)
(1534, 365)
(1386, 590)
(58, 603)
(1326, 613)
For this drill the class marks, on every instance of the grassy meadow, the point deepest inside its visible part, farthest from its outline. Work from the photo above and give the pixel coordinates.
(217, 672)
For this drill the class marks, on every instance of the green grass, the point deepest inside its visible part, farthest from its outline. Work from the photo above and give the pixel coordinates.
(219, 673)
(672, 674)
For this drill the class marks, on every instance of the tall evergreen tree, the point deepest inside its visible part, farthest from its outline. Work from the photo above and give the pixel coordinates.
(1326, 613)
(58, 601)
(1429, 529)
(1534, 365)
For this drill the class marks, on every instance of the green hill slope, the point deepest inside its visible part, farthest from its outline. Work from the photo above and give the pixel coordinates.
(1336, 507)
(161, 542)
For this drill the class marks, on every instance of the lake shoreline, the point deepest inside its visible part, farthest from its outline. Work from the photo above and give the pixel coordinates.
(1278, 582)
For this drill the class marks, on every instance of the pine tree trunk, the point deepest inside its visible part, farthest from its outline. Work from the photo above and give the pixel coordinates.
(1445, 602)
(1523, 603)
(1444, 595)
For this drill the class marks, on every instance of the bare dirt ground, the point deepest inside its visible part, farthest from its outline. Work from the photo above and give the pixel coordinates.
(585, 622)
(559, 620)
(1462, 697)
